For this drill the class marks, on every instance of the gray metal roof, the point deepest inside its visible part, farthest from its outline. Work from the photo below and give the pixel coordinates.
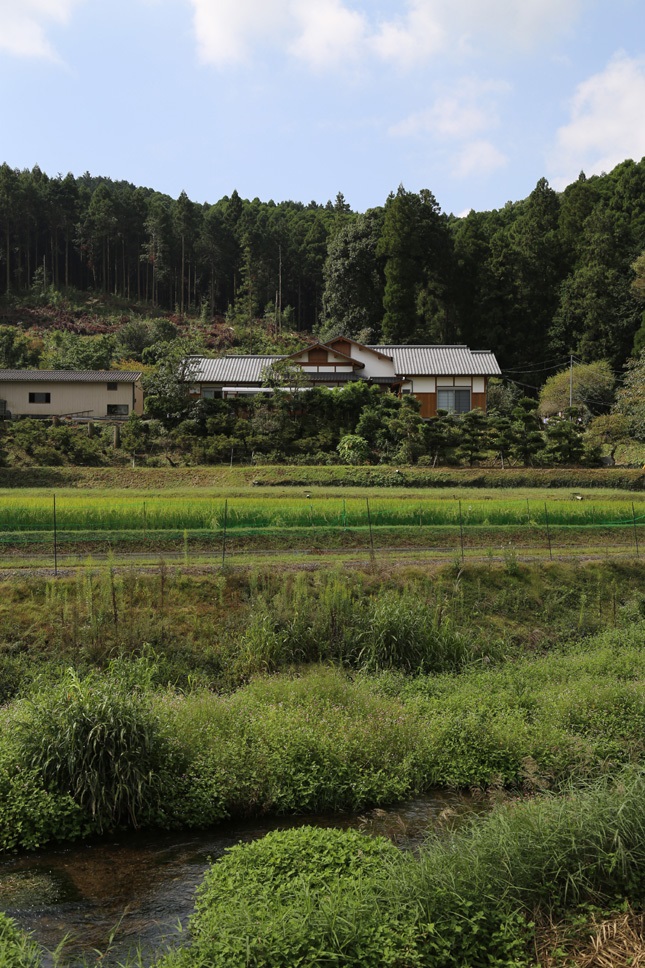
(69, 376)
(229, 369)
(456, 360)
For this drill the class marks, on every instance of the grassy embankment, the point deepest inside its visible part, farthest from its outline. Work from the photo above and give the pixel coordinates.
(623, 478)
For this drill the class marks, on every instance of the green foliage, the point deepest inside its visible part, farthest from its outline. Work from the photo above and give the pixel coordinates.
(47, 445)
(315, 897)
(16, 349)
(68, 351)
(353, 449)
(281, 900)
(97, 740)
(630, 396)
(563, 440)
(589, 386)
(17, 950)
(30, 815)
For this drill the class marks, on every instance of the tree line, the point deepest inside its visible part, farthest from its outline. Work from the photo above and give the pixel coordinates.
(547, 276)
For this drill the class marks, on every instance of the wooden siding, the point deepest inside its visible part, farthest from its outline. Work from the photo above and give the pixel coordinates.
(428, 403)
(318, 356)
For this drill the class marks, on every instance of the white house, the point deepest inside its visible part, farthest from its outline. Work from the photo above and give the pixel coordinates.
(451, 378)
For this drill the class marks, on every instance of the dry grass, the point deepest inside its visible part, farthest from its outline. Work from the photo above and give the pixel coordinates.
(615, 942)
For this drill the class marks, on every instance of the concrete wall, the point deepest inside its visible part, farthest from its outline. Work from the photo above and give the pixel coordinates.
(69, 398)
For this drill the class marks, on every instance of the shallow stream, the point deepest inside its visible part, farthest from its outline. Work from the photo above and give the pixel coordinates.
(135, 890)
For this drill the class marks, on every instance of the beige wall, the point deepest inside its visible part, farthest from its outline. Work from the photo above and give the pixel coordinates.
(69, 398)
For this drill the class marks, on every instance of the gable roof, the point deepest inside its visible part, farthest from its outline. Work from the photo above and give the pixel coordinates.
(370, 349)
(69, 376)
(457, 360)
(330, 349)
(229, 369)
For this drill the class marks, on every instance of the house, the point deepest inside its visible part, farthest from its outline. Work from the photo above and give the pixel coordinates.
(91, 394)
(453, 378)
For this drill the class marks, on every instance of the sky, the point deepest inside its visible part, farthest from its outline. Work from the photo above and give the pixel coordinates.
(475, 100)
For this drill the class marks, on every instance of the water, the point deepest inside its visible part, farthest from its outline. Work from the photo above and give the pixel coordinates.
(135, 890)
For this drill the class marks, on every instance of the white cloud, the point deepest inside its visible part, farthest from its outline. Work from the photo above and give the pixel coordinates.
(326, 32)
(411, 39)
(329, 33)
(468, 109)
(607, 122)
(23, 22)
(226, 30)
(478, 158)
(462, 27)
(319, 32)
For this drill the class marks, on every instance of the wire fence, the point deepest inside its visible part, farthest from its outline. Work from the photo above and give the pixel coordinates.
(438, 529)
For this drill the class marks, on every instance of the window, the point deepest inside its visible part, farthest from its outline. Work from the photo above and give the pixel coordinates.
(212, 393)
(40, 398)
(454, 399)
(118, 410)
(113, 386)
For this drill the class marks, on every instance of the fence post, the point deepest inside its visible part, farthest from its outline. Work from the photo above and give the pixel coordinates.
(461, 532)
(55, 540)
(635, 530)
(224, 534)
(369, 521)
(548, 532)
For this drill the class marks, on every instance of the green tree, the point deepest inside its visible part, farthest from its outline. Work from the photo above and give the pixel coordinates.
(587, 386)
(564, 442)
(630, 396)
(134, 436)
(353, 449)
(353, 278)
(527, 430)
(415, 245)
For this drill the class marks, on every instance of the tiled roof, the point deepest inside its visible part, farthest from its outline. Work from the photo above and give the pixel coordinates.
(456, 360)
(69, 376)
(229, 369)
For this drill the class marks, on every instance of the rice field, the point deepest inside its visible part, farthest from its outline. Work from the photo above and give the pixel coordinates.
(105, 512)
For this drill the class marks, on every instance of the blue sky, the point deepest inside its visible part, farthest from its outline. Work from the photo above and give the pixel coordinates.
(474, 99)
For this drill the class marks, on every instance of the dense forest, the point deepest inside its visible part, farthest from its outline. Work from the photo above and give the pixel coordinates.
(541, 278)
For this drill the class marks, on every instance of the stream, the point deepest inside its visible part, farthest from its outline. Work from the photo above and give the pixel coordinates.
(136, 890)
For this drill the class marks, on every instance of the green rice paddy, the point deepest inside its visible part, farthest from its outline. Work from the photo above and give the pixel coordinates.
(109, 511)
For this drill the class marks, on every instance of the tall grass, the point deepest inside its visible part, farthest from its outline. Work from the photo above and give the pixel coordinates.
(97, 740)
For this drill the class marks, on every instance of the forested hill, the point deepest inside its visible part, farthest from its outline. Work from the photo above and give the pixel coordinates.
(538, 279)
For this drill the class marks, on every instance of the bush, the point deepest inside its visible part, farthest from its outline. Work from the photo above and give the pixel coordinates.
(98, 741)
(299, 897)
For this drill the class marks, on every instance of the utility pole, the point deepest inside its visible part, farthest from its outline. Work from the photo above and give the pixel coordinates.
(570, 385)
